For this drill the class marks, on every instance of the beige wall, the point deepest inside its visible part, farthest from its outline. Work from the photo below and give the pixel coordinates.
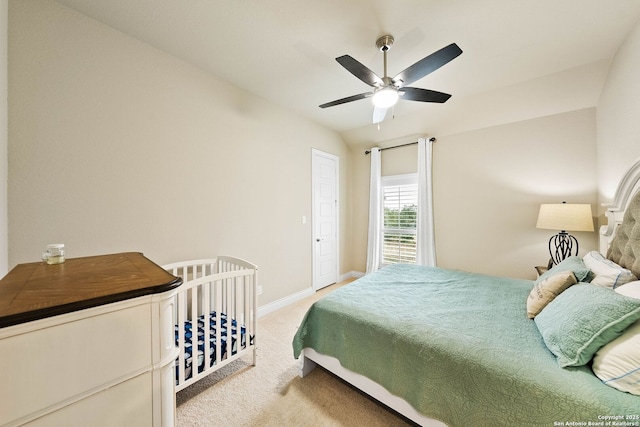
(488, 186)
(4, 167)
(618, 117)
(116, 146)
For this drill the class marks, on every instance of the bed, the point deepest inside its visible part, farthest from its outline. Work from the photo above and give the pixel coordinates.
(215, 315)
(452, 348)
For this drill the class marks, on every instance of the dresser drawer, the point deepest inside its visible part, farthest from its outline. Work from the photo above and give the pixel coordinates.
(122, 405)
(53, 366)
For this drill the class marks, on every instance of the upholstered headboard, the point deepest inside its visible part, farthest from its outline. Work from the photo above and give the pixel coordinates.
(620, 238)
(625, 246)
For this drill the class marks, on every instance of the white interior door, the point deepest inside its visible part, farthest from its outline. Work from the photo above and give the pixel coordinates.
(325, 169)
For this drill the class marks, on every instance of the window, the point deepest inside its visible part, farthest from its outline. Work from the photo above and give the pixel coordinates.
(400, 205)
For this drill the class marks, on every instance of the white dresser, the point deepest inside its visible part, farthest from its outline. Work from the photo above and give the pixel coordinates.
(89, 342)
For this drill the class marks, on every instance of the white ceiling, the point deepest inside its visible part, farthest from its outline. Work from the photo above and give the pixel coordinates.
(284, 50)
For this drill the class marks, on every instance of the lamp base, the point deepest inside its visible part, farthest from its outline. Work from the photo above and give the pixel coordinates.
(561, 246)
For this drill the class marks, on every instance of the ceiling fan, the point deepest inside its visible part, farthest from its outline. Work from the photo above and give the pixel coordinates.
(387, 90)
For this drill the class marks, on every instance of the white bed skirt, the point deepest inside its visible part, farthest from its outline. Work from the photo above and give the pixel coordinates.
(310, 358)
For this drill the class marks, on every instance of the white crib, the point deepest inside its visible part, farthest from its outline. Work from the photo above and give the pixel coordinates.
(221, 293)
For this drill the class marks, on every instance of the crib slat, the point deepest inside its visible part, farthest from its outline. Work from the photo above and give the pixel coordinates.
(247, 308)
(181, 307)
(193, 316)
(218, 309)
(238, 312)
(206, 309)
(230, 316)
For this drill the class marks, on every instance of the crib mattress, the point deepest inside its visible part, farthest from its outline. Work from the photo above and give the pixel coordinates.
(211, 338)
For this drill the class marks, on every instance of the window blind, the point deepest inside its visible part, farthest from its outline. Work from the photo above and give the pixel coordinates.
(400, 204)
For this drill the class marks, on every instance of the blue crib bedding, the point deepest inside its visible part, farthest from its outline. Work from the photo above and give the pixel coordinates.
(188, 332)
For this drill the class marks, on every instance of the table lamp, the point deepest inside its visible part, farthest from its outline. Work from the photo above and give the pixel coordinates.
(564, 217)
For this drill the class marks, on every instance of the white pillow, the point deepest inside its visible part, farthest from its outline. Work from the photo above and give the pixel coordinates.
(631, 289)
(607, 273)
(617, 364)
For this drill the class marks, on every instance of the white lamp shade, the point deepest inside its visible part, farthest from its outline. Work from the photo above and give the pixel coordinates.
(565, 217)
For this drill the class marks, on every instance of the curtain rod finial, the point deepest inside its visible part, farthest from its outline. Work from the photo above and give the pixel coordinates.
(432, 139)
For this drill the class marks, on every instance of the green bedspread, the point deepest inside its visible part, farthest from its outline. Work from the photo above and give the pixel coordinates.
(458, 347)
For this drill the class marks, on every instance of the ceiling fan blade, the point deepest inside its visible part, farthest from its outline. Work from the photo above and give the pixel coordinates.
(427, 65)
(360, 71)
(423, 95)
(379, 114)
(347, 99)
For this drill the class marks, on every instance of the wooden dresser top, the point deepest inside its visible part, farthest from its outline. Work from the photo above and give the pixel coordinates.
(37, 290)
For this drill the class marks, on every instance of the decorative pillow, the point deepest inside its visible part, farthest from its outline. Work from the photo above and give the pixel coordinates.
(617, 364)
(546, 290)
(607, 273)
(582, 319)
(572, 263)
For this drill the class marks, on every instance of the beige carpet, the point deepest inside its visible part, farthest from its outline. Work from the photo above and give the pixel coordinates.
(272, 393)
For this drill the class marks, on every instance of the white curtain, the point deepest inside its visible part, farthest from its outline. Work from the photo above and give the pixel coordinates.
(426, 245)
(375, 213)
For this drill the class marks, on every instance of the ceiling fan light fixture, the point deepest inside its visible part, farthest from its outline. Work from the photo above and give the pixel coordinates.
(388, 90)
(385, 97)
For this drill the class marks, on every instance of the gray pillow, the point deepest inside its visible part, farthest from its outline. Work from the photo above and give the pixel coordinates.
(574, 264)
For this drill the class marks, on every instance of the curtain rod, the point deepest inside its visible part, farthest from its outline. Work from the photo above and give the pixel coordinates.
(432, 139)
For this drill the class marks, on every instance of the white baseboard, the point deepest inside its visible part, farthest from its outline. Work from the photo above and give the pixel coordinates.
(351, 274)
(283, 302)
